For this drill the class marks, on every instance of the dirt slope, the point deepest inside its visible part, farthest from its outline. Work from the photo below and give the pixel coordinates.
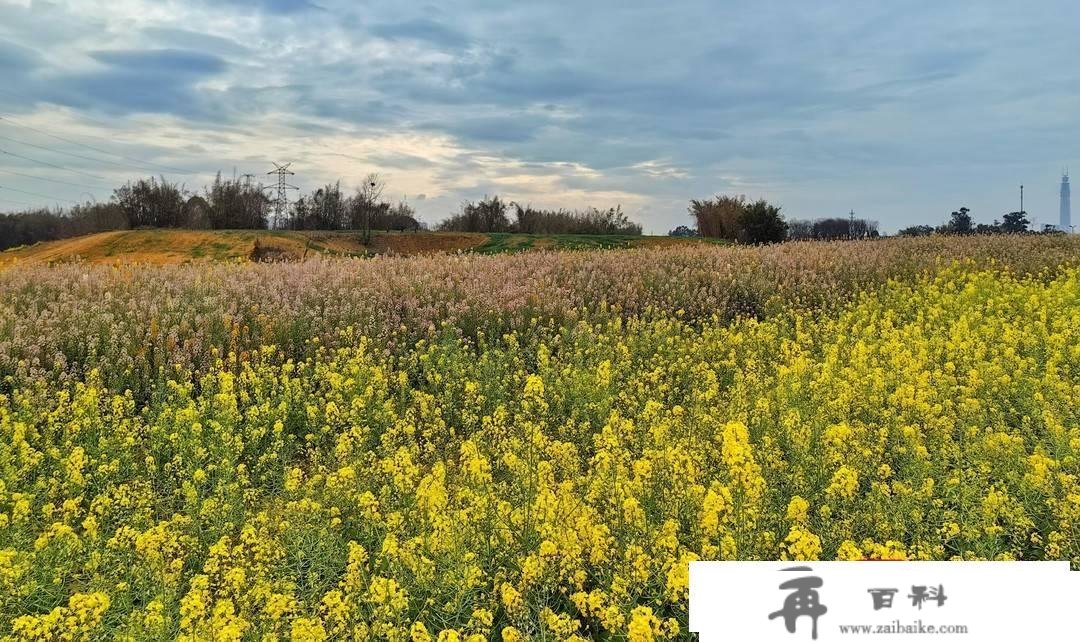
(161, 247)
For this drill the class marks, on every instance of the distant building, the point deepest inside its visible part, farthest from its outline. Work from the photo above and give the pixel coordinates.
(1066, 213)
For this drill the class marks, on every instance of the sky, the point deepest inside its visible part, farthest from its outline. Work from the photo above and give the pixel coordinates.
(901, 111)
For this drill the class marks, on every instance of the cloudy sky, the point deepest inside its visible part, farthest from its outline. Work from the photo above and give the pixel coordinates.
(901, 110)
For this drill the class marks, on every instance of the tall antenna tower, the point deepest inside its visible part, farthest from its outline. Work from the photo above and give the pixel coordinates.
(281, 199)
(1065, 224)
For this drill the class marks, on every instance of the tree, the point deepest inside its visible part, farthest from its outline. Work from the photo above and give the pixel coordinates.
(87, 218)
(960, 222)
(916, 230)
(530, 220)
(761, 222)
(491, 213)
(800, 229)
(365, 206)
(399, 218)
(736, 219)
(718, 217)
(150, 203)
(300, 215)
(30, 227)
(196, 214)
(1015, 223)
(835, 227)
(236, 204)
(683, 231)
(372, 187)
(861, 228)
(327, 208)
(487, 215)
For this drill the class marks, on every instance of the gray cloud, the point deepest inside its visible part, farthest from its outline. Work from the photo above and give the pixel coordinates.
(131, 81)
(825, 106)
(275, 6)
(178, 62)
(16, 58)
(495, 129)
(422, 29)
(185, 39)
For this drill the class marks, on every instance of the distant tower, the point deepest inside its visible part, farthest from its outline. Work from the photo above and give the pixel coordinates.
(1066, 213)
(281, 200)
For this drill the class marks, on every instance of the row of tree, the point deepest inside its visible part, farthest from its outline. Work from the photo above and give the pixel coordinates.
(147, 202)
(832, 228)
(736, 219)
(492, 215)
(241, 204)
(225, 204)
(33, 226)
(961, 222)
(328, 208)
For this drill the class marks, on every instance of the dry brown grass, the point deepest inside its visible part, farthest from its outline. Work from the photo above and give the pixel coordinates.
(158, 247)
(408, 243)
(167, 247)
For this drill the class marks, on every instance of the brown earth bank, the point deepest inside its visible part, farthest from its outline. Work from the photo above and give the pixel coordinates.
(163, 247)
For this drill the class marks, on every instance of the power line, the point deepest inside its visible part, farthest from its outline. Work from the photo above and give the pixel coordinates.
(174, 170)
(81, 114)
(50, 180)
(22, 191)
(14, 202)
(341, 154)
(60, 151)
(54, 165)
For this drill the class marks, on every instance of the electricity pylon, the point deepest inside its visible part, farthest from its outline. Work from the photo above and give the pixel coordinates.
(281, 201)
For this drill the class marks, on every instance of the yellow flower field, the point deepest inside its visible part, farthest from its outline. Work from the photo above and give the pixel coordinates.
(549, 481)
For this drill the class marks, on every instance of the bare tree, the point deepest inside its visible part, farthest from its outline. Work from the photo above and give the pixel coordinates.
(367, 204)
